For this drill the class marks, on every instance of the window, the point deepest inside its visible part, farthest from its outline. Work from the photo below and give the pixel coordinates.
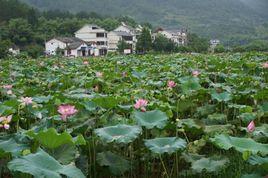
(128, 38)
(99, 35)
(100, 42)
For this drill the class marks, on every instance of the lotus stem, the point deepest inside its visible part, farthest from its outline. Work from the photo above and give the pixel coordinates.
(163, 164)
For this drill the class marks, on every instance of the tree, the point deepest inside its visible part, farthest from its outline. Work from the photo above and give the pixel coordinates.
(144, 43)
(197, 44)
(4, 46)
(163, 44)
(34, 50)
(219, 49)
(122, 45)
(20, 32)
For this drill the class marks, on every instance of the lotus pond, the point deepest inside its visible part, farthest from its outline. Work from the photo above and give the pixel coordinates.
(135, 116)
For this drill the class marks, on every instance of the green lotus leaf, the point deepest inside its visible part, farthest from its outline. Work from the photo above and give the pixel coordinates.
(51, 139)
(42, 99)
(247, 117)
(240, 144)
(257, 160)
(206, 110)
(215, 119)
(106, 102)
(221, 97)
(264, 108)
(41, 164)
(218, 129)
(151, 119)
(165, 145)
(251, 176)
(12, 146)
(6, 110)
(119, 133)
(90, 106)
(139, 75)
(189, 84)
(212, 164)
(117, 165)
(192, 125)
(60, 146)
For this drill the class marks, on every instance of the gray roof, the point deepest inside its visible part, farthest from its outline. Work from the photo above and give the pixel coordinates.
(122, 33)
(74, 45)
(69, 39)
(173, 30)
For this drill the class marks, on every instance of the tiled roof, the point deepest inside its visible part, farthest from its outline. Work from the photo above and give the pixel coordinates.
(69, 39)
(122, 33)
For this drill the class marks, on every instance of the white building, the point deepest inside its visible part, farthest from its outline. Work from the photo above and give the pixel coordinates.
(135, 32)
(214, 43)
(177, 36)
(114, 37)
(14, 50)
(68, 46)
(96, 37)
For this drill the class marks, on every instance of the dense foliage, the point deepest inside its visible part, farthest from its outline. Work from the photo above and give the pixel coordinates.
(28, 28)
(135, 116)
(232, 21)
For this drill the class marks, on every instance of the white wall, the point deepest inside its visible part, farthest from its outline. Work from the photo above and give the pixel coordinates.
(53, 45)
(88, 34)
(113, 40)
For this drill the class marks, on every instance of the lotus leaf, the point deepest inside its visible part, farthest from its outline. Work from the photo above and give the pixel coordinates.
(119, 133)
(151, 119)
(165, 145)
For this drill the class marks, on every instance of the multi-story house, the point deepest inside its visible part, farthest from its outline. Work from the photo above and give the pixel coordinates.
(96, 37)
(135, 32)
(177, 36)
(114, 37)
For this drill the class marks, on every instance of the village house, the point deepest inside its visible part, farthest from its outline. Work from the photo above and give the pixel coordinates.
(177, 36)
(67, 46)
(94, 36)
(91, 40)
(214, 43)
(135, 32)
(114, 37)
(14, 50)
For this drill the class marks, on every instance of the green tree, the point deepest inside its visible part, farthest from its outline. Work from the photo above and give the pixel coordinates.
(197, 44)
(4, 46)
(163, 44)
(122, 45)
(219, 49)
(34, 50)
(144, 43)
(20, 32)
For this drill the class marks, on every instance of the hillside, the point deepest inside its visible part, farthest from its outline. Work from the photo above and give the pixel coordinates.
(212, 18)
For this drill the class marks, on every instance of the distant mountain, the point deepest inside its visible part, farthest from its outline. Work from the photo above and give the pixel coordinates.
(224, 19)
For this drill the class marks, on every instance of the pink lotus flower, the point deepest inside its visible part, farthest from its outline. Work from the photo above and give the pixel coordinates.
(195, 73)
(7, 87)
(66, 111)
(99, 74)
(171, 84)
(265, 65)
(124, 74)
(9, 92)
(251, 127)
(26, 100)
(4, 122)
(85, 62)
(96, 88)
(141, 104)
